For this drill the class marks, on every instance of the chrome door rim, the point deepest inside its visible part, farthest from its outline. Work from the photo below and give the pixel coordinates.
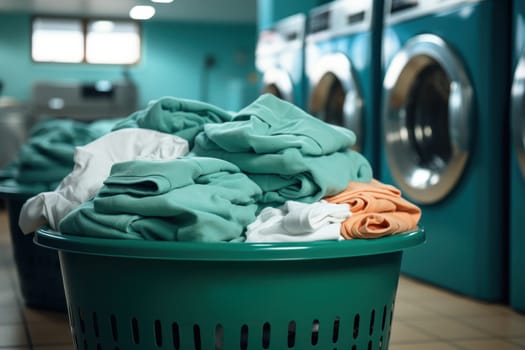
(282, 81)
(340, 66)
(425, 184)
(518, 113)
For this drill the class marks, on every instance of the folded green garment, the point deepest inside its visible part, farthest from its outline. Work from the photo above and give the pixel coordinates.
(288, 153)
(270, 125)
(290, 175)
(186, 199)
(47, 156)
(181, 117)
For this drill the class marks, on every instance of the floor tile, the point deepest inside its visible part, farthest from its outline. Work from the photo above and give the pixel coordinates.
(423, 346)
(8, 294)
(5, 237)
(407, 310)
(519, 340)
(446, 328)
(488, 344)
(36, 316)
(55, 333)
(460, 306)
(403, 333)
(10, 314)
(416, 291)
(505, 326)
(13, 335)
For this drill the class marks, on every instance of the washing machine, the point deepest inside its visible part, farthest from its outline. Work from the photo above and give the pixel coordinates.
(343, 65)
(517, 160)
(279, 58)
(444, 114)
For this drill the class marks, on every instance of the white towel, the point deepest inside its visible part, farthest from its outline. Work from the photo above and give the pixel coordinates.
(298, 222)
(92, 166)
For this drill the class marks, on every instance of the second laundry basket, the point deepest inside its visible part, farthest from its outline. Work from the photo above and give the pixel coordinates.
(38, 269)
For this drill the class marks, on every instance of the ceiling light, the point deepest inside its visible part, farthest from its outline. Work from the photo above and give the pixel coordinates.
(162, 1)
(103, 26)
(142, 12)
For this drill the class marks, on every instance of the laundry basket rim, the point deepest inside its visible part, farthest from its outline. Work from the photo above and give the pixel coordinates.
(223, 251)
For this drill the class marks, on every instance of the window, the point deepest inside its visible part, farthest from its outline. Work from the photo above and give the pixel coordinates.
(112, 42)
(58, 40)
(85, 41)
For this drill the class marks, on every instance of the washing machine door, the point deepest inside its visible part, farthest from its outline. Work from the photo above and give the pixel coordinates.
(518, 112)
(335, 97)
(428, 105)
(278, 82)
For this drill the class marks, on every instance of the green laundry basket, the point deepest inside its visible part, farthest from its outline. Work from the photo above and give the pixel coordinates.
(189, 296)
(38, 269)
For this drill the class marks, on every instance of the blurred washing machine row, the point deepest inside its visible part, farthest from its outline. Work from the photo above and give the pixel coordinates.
(279, 57)
(342, 61)
(444, 113)
(517, 159)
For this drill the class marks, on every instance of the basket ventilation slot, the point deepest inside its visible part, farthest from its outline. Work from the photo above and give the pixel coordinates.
(339, 331)
(114, 329)
(176, 335)
(135, 329)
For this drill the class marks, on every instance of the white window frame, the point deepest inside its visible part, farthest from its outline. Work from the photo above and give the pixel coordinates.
(85, 22)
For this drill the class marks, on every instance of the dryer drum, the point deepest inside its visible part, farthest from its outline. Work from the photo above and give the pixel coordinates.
(426, 118)
(332, 94)
(518, 112)
(335, 96)
(279, 83)
(272, 89)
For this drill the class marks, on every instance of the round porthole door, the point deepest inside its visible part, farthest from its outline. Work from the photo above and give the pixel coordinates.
(518, 113)
(427, 111)
(334, 96)
(279, 83)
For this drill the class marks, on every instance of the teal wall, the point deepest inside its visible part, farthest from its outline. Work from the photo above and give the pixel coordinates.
(172, 63)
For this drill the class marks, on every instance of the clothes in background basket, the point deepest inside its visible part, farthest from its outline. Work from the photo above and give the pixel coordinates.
(290, 154)
(298, 222)
(182, 117)
(186, 199)
(48, 154)
(377, 210)
(92, 166)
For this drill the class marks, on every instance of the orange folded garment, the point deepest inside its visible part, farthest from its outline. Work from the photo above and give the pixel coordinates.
(377, 210)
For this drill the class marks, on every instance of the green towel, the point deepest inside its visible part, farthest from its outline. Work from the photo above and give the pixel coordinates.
(47, 156)
(181, 117)
(288, 153)
(271, 125)
(186, 199)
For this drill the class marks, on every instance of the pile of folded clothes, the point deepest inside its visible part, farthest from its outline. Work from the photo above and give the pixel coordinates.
(47, 156)
(183, 170)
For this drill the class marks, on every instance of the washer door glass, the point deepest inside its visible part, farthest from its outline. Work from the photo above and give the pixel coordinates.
(272, 89)
(279, 83)
(518, 113)
(426, 118)
(334, 96)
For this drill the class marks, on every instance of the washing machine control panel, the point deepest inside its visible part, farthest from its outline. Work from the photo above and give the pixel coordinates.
(401, 5)
(340, 17)
(401, 10)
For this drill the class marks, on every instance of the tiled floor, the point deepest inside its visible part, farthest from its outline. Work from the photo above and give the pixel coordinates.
(426, 318)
